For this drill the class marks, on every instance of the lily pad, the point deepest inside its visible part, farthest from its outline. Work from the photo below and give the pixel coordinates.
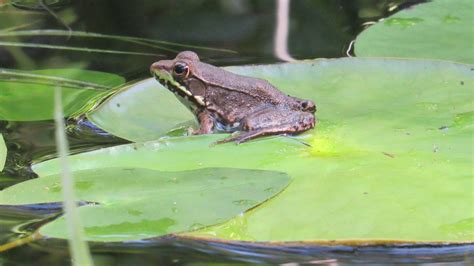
(441, 29)
(133, 203)
(3, 152)
(29, 96)
(390, 160)
(129, 119)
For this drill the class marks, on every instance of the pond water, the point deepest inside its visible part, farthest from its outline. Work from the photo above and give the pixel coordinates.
(223, 33)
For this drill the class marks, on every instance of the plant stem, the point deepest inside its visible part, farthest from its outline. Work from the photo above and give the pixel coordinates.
(78, 247)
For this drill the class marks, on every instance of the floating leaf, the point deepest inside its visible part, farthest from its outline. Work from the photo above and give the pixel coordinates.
(391, 157)
(134, 203)
(440, 29)
(124, 114)
(29, 96)
(3, 152)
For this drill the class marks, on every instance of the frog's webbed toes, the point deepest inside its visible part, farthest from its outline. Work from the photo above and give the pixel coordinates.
(199, 131)
(233, 137)
(190, 131)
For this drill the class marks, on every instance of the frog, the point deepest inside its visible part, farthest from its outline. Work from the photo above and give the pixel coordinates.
(223, 101)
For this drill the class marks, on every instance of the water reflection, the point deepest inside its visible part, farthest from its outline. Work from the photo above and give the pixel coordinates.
(173, 250)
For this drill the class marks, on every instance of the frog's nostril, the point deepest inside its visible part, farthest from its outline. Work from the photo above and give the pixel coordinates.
(155, 67)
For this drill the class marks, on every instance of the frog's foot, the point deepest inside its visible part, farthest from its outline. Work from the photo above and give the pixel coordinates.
(240, 138)
(246, 136)
(233, 137)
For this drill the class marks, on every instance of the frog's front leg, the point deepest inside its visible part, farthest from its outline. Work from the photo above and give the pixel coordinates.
(206, 123)
(273, 122)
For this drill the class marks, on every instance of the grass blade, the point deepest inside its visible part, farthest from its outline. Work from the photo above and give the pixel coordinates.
(27, 77)
(72, 48)
(78, 248)
(143, 41)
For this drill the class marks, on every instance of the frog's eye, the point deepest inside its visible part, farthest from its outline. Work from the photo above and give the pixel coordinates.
(181, 70)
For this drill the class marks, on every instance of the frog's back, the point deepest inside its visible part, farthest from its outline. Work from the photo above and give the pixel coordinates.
(252, 87)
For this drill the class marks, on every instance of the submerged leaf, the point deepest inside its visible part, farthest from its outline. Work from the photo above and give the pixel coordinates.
(440, 29)
(29, 96)
(391, 157)
(134, 203)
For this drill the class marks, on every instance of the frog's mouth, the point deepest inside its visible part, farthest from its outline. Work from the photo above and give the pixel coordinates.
(185, 96)
(172, 85)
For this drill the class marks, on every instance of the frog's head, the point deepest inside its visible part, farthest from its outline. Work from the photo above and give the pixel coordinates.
(177, 76)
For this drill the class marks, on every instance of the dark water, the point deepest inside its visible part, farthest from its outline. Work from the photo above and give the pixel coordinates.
(318, 28)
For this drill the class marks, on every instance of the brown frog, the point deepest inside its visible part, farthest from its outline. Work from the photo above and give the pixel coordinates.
(226, 102)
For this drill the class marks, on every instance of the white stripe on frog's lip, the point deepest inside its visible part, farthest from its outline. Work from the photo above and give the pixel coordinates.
(200, 100)
(168, 80)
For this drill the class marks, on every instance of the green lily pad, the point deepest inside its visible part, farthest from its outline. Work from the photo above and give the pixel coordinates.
(441, 29)
(29, 96)
(390, 159)
(134, 203)
(129, 120)
(3, 152)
